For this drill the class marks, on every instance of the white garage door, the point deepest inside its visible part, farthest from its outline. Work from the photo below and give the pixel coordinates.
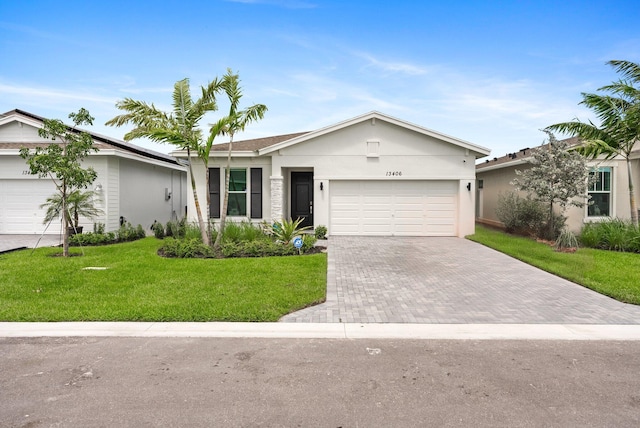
(394, 208)
(20, 202)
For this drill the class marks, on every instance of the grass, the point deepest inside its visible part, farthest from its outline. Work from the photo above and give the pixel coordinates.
(138, 285)
(610, 273)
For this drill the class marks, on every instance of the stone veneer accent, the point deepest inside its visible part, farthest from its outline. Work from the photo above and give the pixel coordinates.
(276, 198)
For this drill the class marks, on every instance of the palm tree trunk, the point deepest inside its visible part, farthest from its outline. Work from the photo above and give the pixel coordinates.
(65, 222)
(203, 229)
(632, 196)
(225, 203)
(208, 193)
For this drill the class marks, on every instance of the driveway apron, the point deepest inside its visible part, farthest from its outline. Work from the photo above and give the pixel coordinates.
(449, 281)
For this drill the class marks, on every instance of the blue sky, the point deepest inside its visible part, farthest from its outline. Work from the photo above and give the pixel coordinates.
(489, 72)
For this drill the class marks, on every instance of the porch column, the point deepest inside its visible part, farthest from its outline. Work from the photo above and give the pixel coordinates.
(277, 198)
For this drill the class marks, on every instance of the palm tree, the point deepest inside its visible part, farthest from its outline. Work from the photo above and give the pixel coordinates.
(235, 121)
(179, 127)
(78, 203)
(619, 115)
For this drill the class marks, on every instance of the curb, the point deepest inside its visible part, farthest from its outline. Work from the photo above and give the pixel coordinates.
(324, 331)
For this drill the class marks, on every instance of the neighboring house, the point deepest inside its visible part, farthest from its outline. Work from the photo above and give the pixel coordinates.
(370, 175)
(134, 184)
(609, 194)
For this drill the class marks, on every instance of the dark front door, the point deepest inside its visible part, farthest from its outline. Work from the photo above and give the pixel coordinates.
(302, 197)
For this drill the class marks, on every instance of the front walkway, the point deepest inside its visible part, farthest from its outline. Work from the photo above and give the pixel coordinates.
(449, 281)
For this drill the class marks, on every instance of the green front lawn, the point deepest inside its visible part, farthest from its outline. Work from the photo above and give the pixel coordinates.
(138, 285)
(614, 274)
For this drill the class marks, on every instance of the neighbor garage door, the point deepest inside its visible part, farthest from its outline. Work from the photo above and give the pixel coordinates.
(394, 208)
(20, 202)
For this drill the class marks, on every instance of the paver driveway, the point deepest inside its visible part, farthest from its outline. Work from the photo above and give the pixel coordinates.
(452, 281)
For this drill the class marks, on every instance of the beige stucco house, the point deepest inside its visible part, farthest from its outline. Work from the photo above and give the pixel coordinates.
(134, 184)
(609, 194)
(370, 175)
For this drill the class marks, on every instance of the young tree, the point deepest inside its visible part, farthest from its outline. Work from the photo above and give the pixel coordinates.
(62, 162)
(556, 176)
(235, 121)
(619, 115)
(179, 128)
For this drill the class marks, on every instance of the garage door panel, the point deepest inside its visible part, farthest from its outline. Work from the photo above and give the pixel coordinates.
(407, 208)
(20, 201)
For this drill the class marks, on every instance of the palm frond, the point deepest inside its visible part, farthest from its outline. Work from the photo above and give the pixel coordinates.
(182, 101)
(628, 70)
(139, 113)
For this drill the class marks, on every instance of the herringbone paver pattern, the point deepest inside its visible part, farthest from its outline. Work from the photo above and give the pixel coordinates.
(449, 281)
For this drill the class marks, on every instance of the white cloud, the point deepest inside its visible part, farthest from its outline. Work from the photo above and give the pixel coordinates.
(392, 66)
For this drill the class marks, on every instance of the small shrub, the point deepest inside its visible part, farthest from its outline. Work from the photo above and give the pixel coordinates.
(243, 231)
(98, 228)
(286, 230)
(321, 232)
(566, 239)
(171, 229)
(543, 230)
(257, 248)
(614, 235)
(158, 229)
(185, 248)
(127, 233)
(591, 236)
(520, 215)
(191, 231)
(308, 242)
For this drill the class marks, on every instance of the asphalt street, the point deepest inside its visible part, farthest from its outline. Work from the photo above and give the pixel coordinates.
(254, 382)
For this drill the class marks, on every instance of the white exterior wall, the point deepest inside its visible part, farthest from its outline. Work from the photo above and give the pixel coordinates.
(221, 162)
(143, 190)
(342, 155)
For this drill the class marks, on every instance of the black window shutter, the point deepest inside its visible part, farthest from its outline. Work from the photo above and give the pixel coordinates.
(256, 192)
(214, 192)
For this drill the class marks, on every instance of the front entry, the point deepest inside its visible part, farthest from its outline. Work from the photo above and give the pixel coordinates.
(302, 197)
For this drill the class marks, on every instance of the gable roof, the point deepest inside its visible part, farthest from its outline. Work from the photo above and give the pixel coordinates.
(100, 141)
(517, 158)
(375, 115)
(255, 144)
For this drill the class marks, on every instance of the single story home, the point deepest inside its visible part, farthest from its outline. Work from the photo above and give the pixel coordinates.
(134, 184)
(609, 194)
(370, 175)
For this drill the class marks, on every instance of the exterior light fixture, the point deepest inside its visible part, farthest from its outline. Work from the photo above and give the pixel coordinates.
(321, 186)
(469, 186)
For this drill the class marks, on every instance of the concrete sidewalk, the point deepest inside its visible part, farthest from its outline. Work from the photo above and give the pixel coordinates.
(324, 330)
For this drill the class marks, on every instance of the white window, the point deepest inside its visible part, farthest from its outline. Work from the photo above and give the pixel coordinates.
(600, 192)
(237, 193)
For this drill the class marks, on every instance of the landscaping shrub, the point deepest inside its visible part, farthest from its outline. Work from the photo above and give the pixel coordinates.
(158, 230)
(321, 232)
(284, 231)
(308, 242)
(526, 216)
(185, 248)
(614, 234)
(520, 215)
(125, 233)
(566, 240)
(243, 231)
